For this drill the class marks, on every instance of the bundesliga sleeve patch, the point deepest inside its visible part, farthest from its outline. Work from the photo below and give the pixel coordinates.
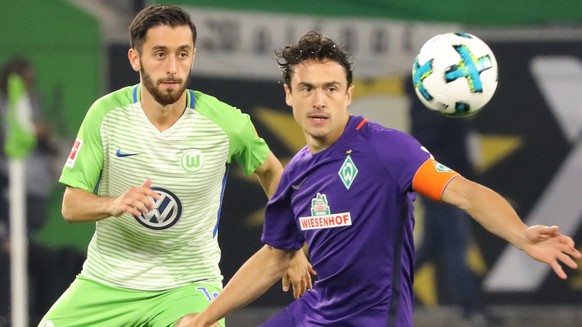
(431, 179)
(73, 154)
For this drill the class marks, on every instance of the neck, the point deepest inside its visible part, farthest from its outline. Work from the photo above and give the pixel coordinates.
(318, 144)
(162, 116)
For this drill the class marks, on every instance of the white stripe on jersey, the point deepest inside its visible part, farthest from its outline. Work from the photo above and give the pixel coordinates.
(124, 252)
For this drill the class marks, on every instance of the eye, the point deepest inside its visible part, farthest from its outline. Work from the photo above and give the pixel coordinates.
(306, 88)
(159, 55)
(184, 55)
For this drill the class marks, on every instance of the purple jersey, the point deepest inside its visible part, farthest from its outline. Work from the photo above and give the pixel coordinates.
(353, 205)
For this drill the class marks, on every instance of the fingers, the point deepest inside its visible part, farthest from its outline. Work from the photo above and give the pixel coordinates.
(309, 282)
(558, 269)
(568, 252)
(549, 231)
(568, 246)
(566, 256)
(568, 261)
(285, 283)
(138, 200)
(299, 289)
(540, 233)
(311, 270)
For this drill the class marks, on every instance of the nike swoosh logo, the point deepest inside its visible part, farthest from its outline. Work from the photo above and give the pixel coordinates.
(119, 154)
(296, 187)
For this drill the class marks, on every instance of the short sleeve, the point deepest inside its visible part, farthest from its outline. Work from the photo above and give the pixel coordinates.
(402, 155)
(85, 161)
(280, 229)
(248, 150)
(432, 178)
(246, 147)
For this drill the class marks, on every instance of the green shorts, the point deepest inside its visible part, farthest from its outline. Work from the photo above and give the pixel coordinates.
(89, 303)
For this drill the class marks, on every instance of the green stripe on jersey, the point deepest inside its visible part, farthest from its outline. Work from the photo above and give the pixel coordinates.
(176, 243)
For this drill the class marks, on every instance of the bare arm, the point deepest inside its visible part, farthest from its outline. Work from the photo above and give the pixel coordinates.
(252, 280)
(495, 214)
(300, 270)
(82, 206)
(269, 174)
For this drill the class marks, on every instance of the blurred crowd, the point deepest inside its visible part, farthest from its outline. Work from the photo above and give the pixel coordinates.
(46, 280)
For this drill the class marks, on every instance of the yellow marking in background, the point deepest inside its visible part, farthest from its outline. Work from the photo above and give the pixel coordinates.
(283, 125)
(364, 87)
(575, 277)
(475, 259)
(425, 285)
(495, 148)
(256, 218)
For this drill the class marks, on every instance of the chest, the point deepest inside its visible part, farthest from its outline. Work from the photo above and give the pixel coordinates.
(193, 152)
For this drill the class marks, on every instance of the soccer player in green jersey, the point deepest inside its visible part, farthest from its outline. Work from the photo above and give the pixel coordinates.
(149, 166)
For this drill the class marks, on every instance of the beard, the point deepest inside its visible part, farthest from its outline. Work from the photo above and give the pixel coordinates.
(163, 97)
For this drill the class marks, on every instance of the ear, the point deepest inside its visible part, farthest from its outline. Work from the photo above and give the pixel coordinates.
(288, 95)
(133, 57)
(193, 58)
(349, 94)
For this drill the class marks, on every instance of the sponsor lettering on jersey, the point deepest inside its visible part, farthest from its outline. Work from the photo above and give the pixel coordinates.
(327, 221)
(73, 154)
(322, 216)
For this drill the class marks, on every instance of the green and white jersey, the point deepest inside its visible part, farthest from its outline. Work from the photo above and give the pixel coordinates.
(176, 243)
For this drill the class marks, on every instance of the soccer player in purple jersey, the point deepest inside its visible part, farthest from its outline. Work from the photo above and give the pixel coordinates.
(350, 195)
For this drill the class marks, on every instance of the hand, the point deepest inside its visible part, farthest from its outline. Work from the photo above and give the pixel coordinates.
(194, 320)
(547, 245)
(299, 275)
(135, 201)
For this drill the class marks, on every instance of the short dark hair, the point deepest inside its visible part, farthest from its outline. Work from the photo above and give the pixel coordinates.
(158, 15)
(17, 65)
(312, 46)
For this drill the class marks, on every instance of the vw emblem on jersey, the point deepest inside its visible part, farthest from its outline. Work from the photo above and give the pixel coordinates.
(192, 161)
(166, 212)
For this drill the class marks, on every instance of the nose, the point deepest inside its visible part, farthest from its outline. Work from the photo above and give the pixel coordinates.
(319, 98)
(171, 65)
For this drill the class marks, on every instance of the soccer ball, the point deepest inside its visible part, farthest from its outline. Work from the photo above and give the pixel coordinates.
(455, 74)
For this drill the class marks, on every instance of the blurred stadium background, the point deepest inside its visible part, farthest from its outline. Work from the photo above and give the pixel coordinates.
(530, 134)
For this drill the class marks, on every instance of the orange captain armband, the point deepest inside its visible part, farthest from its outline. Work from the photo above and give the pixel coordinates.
(431, 179)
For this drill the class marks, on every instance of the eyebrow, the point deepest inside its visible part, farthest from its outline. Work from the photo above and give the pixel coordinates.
(165, 48)
(325, 84)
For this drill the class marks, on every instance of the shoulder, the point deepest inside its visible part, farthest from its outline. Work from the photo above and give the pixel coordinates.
(300, 163)
(117, 98)
(231, 119)
(384, 137)
(211, 106)
(394, 149)
(111, 101)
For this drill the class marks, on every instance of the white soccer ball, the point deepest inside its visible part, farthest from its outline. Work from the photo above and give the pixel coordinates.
(455, 74)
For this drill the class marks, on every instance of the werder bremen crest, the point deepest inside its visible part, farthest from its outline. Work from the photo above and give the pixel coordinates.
(319, 205)
(441, 168)
(348, 171)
